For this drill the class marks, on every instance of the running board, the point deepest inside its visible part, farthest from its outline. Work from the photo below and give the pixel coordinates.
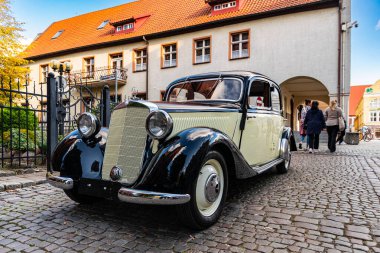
(267, 166)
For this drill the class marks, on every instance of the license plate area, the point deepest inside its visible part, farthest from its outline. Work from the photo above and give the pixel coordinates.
(98, 188)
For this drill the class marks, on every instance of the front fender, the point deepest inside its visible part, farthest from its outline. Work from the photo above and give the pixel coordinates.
(77, 158)
(176, 164)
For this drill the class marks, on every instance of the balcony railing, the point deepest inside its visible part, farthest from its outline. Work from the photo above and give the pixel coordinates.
(99, 75)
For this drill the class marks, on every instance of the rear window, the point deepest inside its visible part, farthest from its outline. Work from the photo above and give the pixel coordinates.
(215, 89)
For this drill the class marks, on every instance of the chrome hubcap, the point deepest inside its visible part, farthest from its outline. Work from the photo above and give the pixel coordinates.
(212, 188)
(209, 188)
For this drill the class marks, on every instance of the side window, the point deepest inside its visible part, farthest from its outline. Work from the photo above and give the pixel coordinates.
(276, 104)
(259, 95)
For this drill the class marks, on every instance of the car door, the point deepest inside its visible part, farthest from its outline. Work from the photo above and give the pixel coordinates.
(256, 143)
(277, 121)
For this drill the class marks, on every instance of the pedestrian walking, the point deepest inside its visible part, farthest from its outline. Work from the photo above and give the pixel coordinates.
(342, 133)
(332, 115)
(303, 134)
(314, 123)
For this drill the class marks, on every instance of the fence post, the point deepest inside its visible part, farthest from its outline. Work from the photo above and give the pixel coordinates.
(106, 108)
(52, 123)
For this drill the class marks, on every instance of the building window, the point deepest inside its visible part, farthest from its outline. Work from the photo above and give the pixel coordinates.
(223, 6)
(119, 28)
(374, 116)
(202, 50)
(57, 34)
(140, 60)
(89, 66)
(128, 26)
(239, 45)
(44, 73)
(375, 103)
(169, 56)
(103, 24)
(116, 61)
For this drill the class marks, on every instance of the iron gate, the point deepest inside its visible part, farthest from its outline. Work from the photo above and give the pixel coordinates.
(34, 117)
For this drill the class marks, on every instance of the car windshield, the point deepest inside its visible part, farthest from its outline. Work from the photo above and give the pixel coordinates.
(215, 89)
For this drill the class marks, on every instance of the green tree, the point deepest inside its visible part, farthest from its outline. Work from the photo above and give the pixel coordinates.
(12, 64)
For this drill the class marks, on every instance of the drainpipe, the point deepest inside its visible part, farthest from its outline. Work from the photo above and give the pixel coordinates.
(147, 68)
(339, 50)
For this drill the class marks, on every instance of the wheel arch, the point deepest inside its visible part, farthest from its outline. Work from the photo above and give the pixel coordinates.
(226, 152)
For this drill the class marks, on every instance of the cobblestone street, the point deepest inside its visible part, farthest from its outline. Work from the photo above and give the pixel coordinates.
(326, 203)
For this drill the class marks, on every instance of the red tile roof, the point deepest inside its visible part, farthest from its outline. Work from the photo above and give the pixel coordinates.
(356, 94)
(81, 32)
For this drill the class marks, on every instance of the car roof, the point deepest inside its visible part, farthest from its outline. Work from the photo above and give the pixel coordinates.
(237, 73)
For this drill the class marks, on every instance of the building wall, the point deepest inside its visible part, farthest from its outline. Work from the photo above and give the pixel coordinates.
(364, 109)
(282, 47)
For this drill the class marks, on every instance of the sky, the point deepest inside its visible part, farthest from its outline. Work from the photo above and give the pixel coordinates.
(365, 56)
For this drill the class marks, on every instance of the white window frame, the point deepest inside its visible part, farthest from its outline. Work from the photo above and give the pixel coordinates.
(143, 56)
(44, 73)
(203, 48)
(172, 62)
(224, 6)
(374, 116)
(240, 42)
(128, 26)
(119, 28)
(89, 66)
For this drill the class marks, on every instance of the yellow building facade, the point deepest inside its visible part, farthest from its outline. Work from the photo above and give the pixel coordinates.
(368, 110)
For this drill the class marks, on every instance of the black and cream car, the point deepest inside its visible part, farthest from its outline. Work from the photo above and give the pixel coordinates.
(210, 129)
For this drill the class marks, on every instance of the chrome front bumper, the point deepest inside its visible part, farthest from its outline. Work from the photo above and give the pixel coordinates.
(148, 197)
(64, 183)
(128, 195)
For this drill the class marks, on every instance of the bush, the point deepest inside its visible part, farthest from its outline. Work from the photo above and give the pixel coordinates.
(22, 140)
(22, 118)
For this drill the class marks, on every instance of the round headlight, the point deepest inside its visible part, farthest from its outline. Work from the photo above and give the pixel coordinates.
(159, 124)
(88, 125)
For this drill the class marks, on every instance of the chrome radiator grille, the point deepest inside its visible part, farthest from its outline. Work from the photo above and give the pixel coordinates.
(126, 143)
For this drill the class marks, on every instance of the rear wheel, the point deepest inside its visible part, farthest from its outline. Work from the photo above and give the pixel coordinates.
(208, 193)
(283, 167)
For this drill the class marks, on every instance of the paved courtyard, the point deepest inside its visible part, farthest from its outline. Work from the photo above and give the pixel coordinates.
(326, 203)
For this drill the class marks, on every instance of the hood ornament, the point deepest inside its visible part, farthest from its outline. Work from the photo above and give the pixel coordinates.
(116, 173)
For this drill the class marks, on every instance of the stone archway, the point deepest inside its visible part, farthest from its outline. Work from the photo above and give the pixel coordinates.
(295, 90)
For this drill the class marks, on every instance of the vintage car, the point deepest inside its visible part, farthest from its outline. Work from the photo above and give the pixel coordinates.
(209, 129)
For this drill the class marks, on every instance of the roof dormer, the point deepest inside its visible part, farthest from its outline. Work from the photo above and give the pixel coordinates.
(223, 6)
(129, 24)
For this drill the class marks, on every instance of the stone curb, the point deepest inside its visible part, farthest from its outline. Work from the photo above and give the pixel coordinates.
(22, 181)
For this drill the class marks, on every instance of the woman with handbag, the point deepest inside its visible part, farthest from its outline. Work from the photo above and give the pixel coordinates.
(334, 120)
(303, 134)
(314, 124)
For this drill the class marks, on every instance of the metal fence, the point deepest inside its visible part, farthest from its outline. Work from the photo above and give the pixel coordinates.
(23, 125)
(35, 116)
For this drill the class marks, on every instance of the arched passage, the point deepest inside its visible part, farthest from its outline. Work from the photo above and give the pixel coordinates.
(295, 90)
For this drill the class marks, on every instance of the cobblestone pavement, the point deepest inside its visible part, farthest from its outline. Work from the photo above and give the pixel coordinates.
(326, 203)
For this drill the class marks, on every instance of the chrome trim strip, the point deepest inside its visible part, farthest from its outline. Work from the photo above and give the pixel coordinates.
(267, 166)
(64, 183)
(149, 197)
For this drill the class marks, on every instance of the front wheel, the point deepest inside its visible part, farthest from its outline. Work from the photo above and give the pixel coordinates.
(208, 193)
(368, 137)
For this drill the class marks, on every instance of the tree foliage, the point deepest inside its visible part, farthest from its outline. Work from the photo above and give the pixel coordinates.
(12, 63)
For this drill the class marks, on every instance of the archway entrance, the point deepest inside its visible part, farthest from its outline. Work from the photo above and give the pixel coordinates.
(295, 90)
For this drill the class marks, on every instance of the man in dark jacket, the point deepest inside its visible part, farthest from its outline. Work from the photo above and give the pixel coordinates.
(314, 124)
